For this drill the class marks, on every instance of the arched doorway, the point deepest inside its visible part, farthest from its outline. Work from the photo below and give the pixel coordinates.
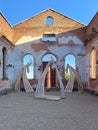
(51, 79)
(71, 60)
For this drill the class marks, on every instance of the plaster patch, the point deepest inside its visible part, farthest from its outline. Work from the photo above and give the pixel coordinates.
(39, 55)
(59, 51)
(66, 40)
(96, 44)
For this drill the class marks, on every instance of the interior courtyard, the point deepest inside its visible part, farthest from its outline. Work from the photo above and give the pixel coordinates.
(54, 58)
(45, 35)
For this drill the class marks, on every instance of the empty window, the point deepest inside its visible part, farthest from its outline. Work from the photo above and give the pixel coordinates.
(49, 37)
(71, 60)
(49, 57)
(27, 59)
(49, 20)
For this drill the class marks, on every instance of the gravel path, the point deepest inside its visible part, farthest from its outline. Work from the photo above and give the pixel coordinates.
(21, 111)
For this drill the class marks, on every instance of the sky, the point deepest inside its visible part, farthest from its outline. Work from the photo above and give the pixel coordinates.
(16, 11)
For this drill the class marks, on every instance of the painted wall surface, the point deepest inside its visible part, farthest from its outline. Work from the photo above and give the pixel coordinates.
(90, 83)
(66, 45)
(8, 58)
(14, 60)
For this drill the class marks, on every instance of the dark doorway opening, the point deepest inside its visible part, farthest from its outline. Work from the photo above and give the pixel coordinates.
(50, 80)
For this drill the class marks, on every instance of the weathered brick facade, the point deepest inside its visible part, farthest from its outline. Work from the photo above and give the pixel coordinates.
(71, 37)
(5, 28)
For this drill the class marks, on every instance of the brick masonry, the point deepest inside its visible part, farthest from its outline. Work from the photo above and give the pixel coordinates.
(26, 37)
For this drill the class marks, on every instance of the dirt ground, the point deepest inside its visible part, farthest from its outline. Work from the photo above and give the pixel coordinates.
(21, 111)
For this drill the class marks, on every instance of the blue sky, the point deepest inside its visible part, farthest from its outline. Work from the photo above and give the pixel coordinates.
(16, 11)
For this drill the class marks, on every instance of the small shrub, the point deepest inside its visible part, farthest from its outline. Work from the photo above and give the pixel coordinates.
(67, 76)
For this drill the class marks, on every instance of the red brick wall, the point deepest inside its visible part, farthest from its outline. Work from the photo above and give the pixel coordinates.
(92, 24)
(36, 26)
(37, 32)
(5, 28)
(59, 21)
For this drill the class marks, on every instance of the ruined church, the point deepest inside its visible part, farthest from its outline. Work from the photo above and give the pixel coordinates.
(45, 35)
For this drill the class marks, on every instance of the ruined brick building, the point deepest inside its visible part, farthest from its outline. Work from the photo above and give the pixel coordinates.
(60, 37)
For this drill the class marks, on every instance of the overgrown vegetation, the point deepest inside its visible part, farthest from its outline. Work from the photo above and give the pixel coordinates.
(90, 36)
(67, 76)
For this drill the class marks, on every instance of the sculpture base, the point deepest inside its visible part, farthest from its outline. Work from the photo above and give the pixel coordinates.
(49, 97)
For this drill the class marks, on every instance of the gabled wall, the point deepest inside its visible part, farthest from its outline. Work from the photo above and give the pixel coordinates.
(40, 21)
(36, 26)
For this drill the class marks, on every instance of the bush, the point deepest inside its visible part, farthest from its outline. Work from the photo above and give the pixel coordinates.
(67, 76)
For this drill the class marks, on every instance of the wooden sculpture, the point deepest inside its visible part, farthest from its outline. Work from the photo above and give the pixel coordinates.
(73, 75)
(22, 75)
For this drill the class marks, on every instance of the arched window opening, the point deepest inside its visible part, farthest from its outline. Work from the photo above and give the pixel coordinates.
(71, 60)
(4, 59)
(51, 78)
(93, 64)
(49, 20)
(49, 57)
(27, 59)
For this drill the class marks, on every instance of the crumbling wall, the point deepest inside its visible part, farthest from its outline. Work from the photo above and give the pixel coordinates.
(60, 48)
(91, 84)
(28, 39)
(6, 68)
